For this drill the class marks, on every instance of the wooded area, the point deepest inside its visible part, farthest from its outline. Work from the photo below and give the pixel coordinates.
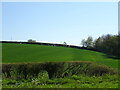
(108, 44)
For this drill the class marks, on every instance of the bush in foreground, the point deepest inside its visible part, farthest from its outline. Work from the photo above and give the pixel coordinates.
(55, 69)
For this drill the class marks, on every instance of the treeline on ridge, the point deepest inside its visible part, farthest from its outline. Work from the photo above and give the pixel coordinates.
(108, 44)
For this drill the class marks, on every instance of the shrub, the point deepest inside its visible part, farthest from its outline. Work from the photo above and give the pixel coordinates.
(99, 70)
(54, 69)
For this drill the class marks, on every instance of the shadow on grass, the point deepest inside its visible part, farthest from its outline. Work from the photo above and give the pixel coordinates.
(111, 56)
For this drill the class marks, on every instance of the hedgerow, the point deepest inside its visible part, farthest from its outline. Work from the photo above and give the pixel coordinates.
(55, 69)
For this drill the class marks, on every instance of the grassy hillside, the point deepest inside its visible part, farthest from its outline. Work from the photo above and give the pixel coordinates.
(19, 53)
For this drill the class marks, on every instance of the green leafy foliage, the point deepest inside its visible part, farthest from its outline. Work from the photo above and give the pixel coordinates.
(108, 44)
(55, 69)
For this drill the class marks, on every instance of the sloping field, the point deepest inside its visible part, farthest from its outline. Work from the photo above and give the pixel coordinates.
(24, 53)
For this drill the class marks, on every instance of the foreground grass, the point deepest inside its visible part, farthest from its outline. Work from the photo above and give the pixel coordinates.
(82, 81)
(20, 53)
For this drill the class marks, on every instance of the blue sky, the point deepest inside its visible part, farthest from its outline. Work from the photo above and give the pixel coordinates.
(58, 21)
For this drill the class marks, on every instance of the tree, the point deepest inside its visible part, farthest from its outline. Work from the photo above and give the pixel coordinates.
(108, 44)
(98, 43)
(64, 43)
(30, 40)
(83, 42)
(89, 42)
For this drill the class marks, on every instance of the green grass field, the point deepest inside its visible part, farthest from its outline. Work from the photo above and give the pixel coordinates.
(24, 53)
